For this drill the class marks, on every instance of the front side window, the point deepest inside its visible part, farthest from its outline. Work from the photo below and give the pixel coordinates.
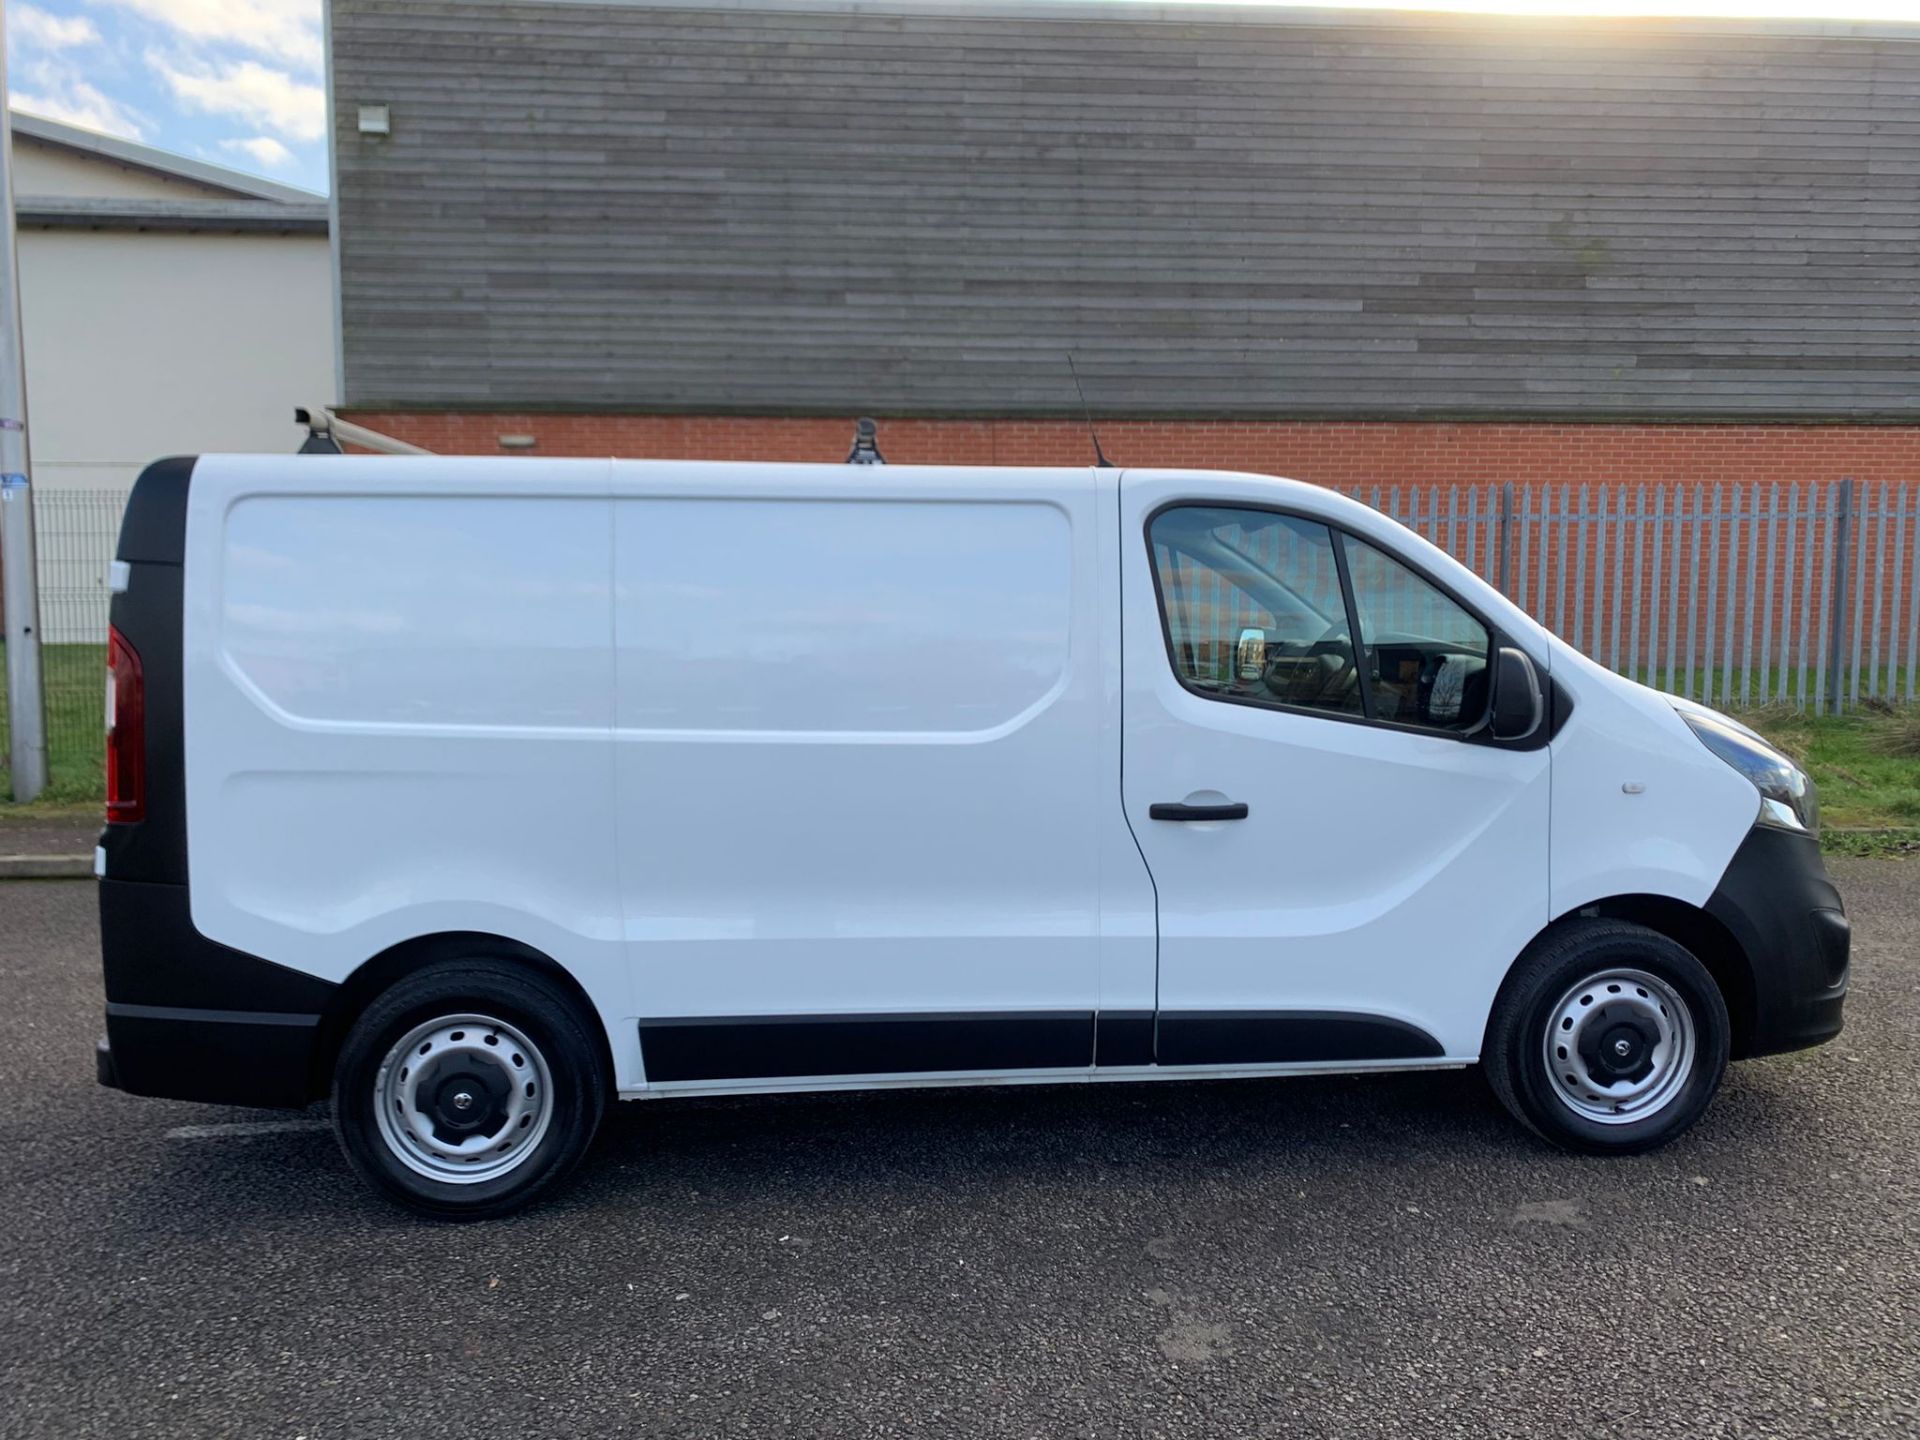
(1254, 608)
(1264, 608)
(1426, 657)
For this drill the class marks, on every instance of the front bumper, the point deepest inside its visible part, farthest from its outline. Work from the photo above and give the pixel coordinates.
(1784, 912)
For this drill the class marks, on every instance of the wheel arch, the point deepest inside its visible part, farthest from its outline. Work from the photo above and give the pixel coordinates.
(1704, 936)
(384, 970)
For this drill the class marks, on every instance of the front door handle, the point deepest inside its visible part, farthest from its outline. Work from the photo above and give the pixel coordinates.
(1233, 810)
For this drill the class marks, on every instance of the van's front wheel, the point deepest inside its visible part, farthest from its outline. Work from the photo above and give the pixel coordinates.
(467, 1088)
(1607, 1037)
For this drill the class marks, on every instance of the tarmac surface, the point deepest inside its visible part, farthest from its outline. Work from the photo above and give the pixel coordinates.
(1388, 1256)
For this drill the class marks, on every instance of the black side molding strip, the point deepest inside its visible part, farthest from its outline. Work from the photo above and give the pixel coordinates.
(1123, 1037)
(1284, 1037)
(773, 1047)
(768, 1047)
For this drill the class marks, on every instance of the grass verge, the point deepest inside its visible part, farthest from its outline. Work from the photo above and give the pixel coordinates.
(1867, 765)
(74, 678)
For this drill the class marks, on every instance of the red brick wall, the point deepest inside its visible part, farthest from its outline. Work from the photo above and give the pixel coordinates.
(1328, 452)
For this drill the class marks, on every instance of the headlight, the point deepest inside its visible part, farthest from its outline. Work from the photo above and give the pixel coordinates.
(1787, 797)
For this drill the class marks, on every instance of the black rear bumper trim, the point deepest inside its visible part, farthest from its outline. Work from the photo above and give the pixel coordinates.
(218, 1057)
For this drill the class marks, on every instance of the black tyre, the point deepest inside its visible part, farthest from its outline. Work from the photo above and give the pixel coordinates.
(1607, 1037)
(468, 1088)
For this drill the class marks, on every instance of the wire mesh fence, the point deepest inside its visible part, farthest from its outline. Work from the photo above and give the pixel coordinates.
(75, 533)
(1805, 595)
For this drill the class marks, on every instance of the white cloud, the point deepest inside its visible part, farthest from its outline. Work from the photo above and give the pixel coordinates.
(55, 91)
(31, 28)
(271, 99)
(84, 106)
(287, 31)
(263, 149)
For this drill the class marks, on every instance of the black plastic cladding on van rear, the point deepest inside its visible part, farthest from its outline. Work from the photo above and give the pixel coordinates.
(149, 615)
(187, 1018)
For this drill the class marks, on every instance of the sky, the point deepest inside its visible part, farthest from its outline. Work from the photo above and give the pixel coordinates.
(240, 83)
(233, 82)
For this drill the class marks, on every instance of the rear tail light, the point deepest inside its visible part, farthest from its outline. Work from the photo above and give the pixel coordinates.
(126, 733)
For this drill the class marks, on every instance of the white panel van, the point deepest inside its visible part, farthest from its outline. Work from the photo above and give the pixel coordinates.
(471, 794)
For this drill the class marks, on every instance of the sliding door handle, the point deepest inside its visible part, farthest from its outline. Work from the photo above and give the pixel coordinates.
(1233, 810)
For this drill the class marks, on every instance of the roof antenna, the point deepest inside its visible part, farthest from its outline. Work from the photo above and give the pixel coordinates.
(1099, 456)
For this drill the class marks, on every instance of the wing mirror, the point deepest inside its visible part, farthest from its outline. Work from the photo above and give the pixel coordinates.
(1250, 655)
(1519, 709)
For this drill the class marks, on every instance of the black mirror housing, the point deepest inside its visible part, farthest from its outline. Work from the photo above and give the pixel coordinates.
(1519, 708)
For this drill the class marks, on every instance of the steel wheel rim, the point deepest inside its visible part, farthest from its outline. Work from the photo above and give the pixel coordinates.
(463, 1099)
(1619, 1046)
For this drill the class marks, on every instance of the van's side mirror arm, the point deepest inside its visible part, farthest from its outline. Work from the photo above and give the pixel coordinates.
(1518, 707)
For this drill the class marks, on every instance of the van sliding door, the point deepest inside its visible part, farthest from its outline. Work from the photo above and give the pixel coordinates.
(858, 771)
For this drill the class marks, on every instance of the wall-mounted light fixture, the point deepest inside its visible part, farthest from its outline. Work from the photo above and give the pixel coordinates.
(516, 442)
(376, 120)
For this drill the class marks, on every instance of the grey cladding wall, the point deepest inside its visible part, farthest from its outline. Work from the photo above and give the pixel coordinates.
(640, 208)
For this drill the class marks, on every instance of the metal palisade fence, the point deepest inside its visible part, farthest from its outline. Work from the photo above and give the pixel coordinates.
(1801, 594)
(1804, 594)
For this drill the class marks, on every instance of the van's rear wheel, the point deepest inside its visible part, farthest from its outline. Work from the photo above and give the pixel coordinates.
(1607, 1037)
(467, 1089)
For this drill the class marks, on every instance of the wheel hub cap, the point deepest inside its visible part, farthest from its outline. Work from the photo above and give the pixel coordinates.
(1623, 1051)
(1619, 1046)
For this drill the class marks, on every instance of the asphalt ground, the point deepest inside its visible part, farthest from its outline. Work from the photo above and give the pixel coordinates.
(1388, 1256)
